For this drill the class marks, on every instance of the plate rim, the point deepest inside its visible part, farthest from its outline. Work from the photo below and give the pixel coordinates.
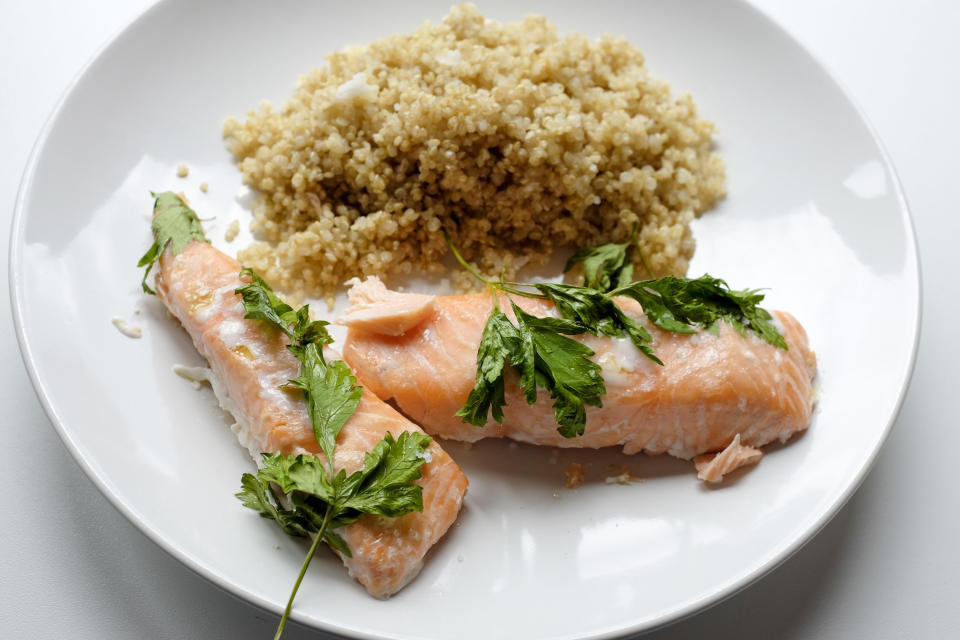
(708, 601)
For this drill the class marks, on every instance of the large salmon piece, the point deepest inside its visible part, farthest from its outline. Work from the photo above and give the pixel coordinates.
(715, 393)
(250, 363)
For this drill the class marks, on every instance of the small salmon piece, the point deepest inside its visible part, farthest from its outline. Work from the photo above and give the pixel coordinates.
(710, 389)
(250, 363)
(712, 467)
(375, 308)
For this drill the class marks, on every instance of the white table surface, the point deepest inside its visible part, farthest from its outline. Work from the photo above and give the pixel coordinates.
(888, 566)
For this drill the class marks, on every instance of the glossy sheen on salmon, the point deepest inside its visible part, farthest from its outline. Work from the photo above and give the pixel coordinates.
(250, 363)
(710, 389)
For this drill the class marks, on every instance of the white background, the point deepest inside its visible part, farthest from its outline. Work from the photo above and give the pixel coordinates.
(888, 566)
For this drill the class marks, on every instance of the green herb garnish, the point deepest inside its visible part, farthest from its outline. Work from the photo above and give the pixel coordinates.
(174, 223)
(260, 302)
(683, 304)
(552, 361)
(607, 266)
(547, 359)
(498, 344)
(304, 494)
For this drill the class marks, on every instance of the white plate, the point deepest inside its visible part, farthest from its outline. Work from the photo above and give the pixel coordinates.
(814, 213)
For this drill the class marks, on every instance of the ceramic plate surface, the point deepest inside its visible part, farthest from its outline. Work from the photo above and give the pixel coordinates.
(814, 213)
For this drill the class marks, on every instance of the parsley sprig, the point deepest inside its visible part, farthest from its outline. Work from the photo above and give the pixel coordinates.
(548, 359)
(174, 224)
(305, 494)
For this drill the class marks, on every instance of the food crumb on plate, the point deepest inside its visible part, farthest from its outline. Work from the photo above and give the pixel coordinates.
(183, 170)
(204, 187)
(127, 329)
(196, 375)
(625, 476)
(575, 475)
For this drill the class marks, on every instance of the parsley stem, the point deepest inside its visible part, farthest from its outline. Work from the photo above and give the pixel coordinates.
(464, 263)
(303, 571)
(503, 285)
(634, 285)
(506, 288)
(643, 262)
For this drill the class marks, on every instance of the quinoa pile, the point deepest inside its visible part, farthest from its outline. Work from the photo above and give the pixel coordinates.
(516, 140)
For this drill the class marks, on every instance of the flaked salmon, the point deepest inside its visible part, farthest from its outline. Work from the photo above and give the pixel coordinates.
(711, 391)
(250, 363)
(712, 467)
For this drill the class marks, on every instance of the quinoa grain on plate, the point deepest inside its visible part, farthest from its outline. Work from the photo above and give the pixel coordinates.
(517, 140)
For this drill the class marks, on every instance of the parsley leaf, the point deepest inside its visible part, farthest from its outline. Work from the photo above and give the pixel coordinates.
(174, 224)
(607, 266)
(604, 268)
(546, 359)
(682, 304)
(550, 360)
(500, 340)
(260, 301)
(330, 392)
(258, 495)
(385, 484)
(598, 314)
(302, 473)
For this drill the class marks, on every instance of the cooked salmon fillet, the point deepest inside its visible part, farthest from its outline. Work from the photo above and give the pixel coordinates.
(250, 362)
(711, 389)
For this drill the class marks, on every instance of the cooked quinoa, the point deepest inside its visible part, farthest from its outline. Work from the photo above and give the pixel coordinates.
(233, 229)
(517, 140)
